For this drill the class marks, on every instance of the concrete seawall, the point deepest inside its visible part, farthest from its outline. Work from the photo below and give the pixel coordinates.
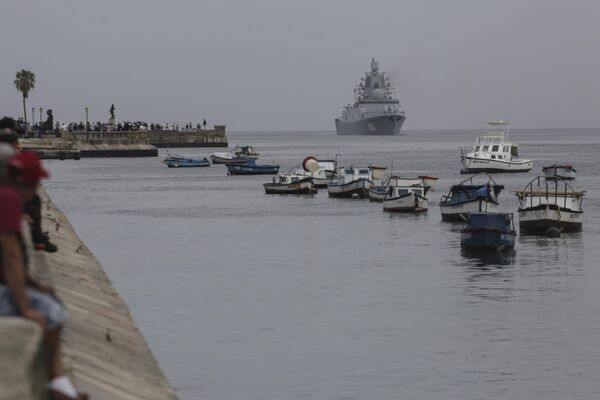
(106, 354)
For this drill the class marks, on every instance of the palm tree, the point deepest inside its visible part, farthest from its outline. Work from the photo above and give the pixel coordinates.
(25, 82)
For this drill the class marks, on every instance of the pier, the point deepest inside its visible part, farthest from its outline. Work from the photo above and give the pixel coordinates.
(197, 138)
(106, 354)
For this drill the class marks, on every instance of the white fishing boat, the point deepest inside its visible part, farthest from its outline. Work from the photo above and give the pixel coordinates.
(290, 184)
(493, 152)
(351, 182)
(478, 193)
(563, 171)
(321, 171)
(405, 199)
(239, 155)
(377, 192)
(550, 205)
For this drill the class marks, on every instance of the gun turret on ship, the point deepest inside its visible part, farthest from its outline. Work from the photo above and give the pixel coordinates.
(375, 111)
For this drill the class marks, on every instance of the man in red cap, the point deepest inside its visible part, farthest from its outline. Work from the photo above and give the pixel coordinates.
(19, 294)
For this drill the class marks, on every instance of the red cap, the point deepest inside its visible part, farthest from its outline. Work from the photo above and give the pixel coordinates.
(26, 166)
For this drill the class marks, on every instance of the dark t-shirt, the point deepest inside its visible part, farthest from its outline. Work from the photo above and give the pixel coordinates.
(10, 217)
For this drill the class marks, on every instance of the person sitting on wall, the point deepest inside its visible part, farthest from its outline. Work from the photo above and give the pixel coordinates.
(20, 295)
(41, 240)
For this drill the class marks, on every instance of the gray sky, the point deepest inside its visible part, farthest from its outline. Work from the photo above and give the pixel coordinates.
(292, 64)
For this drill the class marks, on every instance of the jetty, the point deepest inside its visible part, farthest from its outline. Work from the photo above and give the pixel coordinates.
(106, 354)
(141, 143)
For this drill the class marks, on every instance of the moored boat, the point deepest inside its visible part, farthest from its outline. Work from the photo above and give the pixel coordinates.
(562, 171)
(290, 184)
(491, 231)
(378, 192)
(245, 151)
(351, 182)
(493, 152)
(320, 170)
(226, 158)
(547, 206)
(250, 167)
(469, 196)
(175, 161)
(405, 199)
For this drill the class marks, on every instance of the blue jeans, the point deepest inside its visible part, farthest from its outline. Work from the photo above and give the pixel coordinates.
(45, 303)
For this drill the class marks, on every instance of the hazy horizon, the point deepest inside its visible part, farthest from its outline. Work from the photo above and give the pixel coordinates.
(283, 65)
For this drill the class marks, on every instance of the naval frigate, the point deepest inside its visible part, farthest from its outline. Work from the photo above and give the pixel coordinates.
(375, 110)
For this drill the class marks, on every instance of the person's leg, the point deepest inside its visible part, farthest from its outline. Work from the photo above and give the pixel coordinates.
(41, 240)
(55, 363)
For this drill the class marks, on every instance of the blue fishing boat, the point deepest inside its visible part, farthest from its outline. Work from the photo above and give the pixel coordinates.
(250, 167)
(494, 231)
(184, 162)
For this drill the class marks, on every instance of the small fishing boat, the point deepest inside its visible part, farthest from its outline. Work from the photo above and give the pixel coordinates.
(468, 197)
(250, 167)
(562, 171)
(378, 192)
(550, 207)
(429, 181)
(245, 151)
(491, 231)
(493, 152)
(352, 182)
(405, 199)
(239, 155)
(321, 171)
(290, 184)
(175, 161)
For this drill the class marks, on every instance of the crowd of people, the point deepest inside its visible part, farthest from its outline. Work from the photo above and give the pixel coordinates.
(20, 224)
(129, 126)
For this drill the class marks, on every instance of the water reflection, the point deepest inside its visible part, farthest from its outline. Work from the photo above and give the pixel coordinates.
(486, 258)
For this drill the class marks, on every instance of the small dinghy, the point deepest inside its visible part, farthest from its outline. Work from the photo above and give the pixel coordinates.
(290, 184)
(175, 161)
(469, 196)
(489, 231)
(550, 207)
(405, 199)
(562, 171)
(250, 167)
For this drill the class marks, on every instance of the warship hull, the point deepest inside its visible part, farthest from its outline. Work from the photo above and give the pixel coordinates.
(381, 125)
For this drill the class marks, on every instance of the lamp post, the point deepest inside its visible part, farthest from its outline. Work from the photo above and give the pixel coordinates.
(32, 115)
(86, 115)
(41, 115)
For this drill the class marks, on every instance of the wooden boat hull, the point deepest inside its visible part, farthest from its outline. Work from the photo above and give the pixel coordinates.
(459, 212)
(410, 202)
(537, 220)
(474, 165)
(377, 193)
(300, 187)
(487, 238)
(359, 187)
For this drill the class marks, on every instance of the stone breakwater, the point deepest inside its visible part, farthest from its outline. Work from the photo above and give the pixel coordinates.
(106, 354)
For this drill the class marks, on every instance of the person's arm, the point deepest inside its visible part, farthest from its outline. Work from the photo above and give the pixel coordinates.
(14, 275)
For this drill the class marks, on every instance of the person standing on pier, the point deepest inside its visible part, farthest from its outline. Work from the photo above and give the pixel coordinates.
(204, 123)
(20, 295)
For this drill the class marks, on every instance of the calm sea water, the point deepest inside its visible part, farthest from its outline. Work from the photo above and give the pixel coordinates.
(247, 296)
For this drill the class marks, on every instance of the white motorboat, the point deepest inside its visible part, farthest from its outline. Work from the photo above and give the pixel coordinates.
(493, 152)
(351, 182)
(245, 151)
(290, 184)
(469, 196)
(405, 199)
(546, 205)
(563, 171)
